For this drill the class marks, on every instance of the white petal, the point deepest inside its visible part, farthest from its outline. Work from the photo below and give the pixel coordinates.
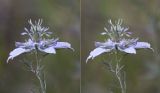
(24, 33)
(49, 50)
(103, 33)
(143, 45)
(97, 52)
(17, 52)
(129, 50)
(63, 45)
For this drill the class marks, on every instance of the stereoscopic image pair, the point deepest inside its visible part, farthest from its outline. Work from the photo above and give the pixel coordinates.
(79, 46)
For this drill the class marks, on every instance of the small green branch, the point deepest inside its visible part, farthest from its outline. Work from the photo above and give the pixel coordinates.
(121, 81)
(118, 72)
(40, 73)
(42, 83)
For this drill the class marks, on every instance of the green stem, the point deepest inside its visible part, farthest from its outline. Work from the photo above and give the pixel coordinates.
(42, 84)
(121, 84)
(40, 73)
(119, 74)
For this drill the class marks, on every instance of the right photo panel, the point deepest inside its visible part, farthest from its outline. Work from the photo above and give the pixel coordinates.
(120, 47)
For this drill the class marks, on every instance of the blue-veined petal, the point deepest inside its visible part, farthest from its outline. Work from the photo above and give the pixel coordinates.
(108, 44)
(97, 52)
(142, 45)
(130, 50)
(49, 50)
(17, 52)
(26, 45)
(60, 45)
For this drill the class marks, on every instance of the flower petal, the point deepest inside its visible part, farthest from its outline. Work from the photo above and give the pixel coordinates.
(97, 52)
(26, 45)
(108, 44)
(17, 52)
(98, 44)
(103, 33)
(142, 45)
(63, 45)
(49, 50)
(130, 50)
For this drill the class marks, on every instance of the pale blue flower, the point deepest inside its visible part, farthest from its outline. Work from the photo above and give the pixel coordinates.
(117, 41)
(37, 41)
(126, 46)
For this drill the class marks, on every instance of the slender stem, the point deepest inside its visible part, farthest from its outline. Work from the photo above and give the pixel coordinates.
(119, 74)
(42, 84)
(121, 84)
(40, 73)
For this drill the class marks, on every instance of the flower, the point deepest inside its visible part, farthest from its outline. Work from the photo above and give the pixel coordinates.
(118, 41)
(37, 41)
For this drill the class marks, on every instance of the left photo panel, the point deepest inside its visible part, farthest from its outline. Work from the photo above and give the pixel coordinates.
(40, 46)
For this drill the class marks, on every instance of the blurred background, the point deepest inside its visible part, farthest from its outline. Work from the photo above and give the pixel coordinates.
(142, 69)
(62, 69)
